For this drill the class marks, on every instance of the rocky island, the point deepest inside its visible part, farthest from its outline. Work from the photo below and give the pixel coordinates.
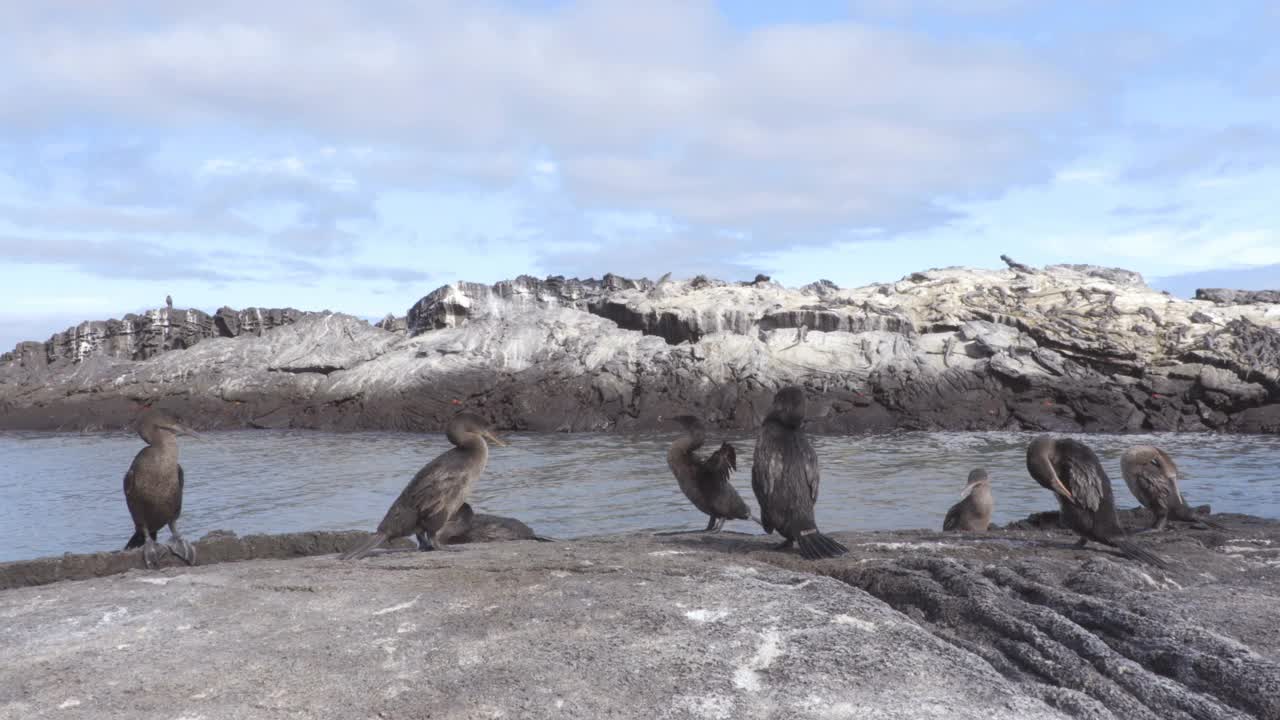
(1060, 348)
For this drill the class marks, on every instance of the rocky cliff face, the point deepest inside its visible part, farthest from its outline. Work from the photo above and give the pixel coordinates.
(1061, 348)
(138, 337)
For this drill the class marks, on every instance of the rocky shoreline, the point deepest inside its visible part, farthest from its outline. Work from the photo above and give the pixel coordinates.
(1015, 623)
(1062, 348)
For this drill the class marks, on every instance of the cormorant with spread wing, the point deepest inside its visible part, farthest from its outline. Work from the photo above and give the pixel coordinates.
(705, 481)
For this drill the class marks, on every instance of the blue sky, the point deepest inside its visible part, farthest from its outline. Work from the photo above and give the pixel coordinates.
(354, 156)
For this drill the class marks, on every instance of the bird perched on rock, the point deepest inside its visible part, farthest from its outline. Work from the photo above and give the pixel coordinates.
(784, 476)
(705, 481)
(438, 490)
(168, 301)
(1074, 474)
(1152, 477)
(973, 512)
(153, 487)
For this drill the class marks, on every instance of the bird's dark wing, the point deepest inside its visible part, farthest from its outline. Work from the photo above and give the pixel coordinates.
(808, 466)
(1153, 489)
(1085, 478)
(433, 486)
(952, 520)
(766, 469)
(130, 500)
(716, 470)
(182, 483)
(766, 466)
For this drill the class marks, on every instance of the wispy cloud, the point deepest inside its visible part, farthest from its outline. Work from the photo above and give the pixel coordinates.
(132, 258)
(717, 128)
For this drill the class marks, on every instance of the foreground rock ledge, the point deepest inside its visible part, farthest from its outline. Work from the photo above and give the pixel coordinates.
(912, 624)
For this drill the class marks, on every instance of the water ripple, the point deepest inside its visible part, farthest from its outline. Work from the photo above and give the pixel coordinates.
(62, 492)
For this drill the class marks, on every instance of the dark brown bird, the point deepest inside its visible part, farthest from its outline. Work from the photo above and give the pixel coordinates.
(1076, 477)
(168, 301)
(1152, 477)
(153, 488)
(705, 481)
(784, 476)
(438, 490)
(973, 512)
(468, 526)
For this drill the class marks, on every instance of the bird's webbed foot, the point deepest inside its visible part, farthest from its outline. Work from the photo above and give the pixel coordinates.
(784, 545)
(715, 525)
(150, 555)
(1082, 542)
(184, 550)
(179, 546)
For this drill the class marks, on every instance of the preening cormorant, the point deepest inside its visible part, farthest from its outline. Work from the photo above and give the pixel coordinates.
(153, 487)
(1152, 477)
(973, 512)
(438, 490)
(705, 481)
(784, 476)
(1076, 477)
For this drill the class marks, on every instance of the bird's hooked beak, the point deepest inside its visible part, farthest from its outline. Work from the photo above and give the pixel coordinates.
(180, 429)
(1061, 489)
(487, 435)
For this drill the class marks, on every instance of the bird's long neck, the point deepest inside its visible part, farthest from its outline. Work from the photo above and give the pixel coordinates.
(786, 419)
(980, 494)
(163, 443)
(692, 439)
(469, 442)
(160, 439)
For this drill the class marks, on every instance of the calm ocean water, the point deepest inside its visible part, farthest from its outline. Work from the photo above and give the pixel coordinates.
(62, 492)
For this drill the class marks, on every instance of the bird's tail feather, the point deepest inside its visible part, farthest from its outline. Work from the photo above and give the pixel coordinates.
(815, 545)
(540, 538)
(1140, 553)
(138, 540)
(364, 547)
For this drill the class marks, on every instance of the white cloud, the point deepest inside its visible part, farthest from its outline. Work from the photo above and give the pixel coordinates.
(1167, 251)
(827, 124)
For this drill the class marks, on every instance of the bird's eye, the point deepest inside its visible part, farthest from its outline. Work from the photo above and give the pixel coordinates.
(1155, 461)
